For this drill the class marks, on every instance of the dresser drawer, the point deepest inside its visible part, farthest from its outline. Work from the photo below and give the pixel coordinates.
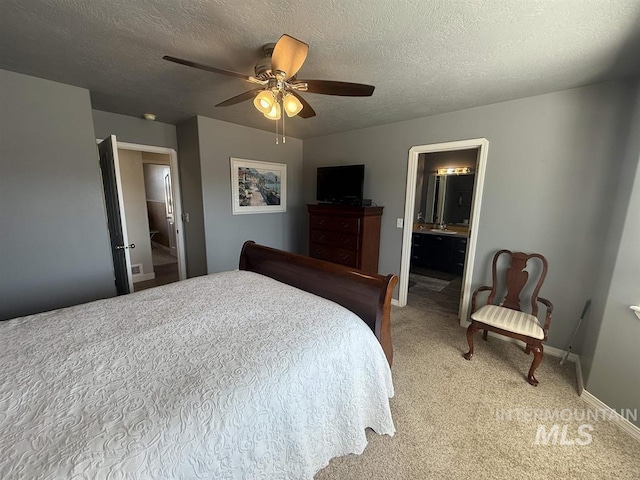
(334, 239)
(334, 254)
(335, 224)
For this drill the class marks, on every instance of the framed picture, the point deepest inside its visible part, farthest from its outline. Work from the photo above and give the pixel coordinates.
(258, 187)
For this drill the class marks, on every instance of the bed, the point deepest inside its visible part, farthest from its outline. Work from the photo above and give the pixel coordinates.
(265, 372)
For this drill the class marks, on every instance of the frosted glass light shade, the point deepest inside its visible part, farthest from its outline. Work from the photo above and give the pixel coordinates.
(291, 105)
(264, 101)
(275, 113)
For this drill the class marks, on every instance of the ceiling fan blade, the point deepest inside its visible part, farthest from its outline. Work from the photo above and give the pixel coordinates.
(189, 63)
(288, 56)
(307, 111)
(343, 89)
(240, 98)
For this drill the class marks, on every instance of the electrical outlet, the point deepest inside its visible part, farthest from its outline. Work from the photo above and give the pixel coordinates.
(399, 222)
(185, 217)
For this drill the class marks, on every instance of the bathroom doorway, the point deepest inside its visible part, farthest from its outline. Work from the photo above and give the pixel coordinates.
(443, 197)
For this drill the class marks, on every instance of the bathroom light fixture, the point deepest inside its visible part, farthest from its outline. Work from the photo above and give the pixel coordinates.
(149, 116)
(454, 170)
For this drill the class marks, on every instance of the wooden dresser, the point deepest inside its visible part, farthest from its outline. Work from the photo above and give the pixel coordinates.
(346, 235)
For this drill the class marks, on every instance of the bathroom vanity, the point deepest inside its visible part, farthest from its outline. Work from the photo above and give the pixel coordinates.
(439, 250)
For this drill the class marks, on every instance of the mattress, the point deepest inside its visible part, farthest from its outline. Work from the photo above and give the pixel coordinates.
(228, 376)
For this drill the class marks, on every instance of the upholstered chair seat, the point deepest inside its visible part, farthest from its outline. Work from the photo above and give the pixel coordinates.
(510, 320)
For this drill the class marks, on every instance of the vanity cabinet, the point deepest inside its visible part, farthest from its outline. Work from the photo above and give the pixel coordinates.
(458, 256)
(439, 252)
(346, 235)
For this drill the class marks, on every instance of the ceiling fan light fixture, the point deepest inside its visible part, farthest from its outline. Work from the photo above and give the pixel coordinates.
(292, 106)
(275, 113)
(265, 101)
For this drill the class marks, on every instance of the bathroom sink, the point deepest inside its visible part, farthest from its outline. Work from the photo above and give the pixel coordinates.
(448, 232)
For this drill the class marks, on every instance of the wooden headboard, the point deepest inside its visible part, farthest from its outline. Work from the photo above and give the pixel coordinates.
(365, 294)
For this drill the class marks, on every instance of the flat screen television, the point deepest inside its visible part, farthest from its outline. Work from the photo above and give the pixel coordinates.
(342, 184)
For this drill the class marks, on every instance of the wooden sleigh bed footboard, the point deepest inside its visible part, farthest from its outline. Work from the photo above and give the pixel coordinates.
(367, 295)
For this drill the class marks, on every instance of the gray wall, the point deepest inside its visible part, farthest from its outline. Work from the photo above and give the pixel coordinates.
(549, 180)
(610, 356)
(225, 233)
(134, 130)
(191, 191)
(54, 247)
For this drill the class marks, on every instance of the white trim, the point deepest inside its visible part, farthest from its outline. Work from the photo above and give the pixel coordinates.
(548, 349)
(622, 422)
(554, 352)
(141, 277)
(592, 400)
(395, 302)
(579, 374)
(177, 196)
(482, 144)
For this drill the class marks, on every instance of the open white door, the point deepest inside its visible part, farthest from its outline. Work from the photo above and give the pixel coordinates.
(116, 220)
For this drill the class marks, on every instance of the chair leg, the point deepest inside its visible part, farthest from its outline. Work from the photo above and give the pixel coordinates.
(527, 349)
(471, 331)
(485, 333)
(537, 359)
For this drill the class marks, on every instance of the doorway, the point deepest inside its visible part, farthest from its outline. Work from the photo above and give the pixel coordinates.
(443, 198)
(148, 202)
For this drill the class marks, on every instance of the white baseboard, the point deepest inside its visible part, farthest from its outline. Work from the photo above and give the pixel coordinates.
(395, 302)
(579, 375)
(161, 247)
(622, 422)
(619, 420)
(549, 350)
(141, 277)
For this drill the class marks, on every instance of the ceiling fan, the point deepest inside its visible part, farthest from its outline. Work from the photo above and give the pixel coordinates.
(278, 86)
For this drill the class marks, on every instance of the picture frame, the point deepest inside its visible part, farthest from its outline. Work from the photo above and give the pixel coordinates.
(258, 187)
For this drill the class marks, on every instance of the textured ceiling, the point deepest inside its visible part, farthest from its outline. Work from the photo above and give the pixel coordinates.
(424, 56)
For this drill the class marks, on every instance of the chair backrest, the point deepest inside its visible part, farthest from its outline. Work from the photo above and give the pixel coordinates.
(516, 278)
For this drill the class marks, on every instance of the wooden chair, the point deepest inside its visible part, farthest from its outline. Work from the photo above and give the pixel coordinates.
(507, 318)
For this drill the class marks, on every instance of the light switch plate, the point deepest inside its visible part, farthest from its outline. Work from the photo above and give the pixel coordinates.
(399, 222)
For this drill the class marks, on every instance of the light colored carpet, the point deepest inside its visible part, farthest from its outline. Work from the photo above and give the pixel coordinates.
(417, 283)
(445, 412)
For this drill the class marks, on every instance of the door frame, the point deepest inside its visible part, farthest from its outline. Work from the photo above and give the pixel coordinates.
(177, 196)
(482, 144)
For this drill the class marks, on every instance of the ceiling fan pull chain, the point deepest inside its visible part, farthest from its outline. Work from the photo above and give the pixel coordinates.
(284, 138)
(276, 122)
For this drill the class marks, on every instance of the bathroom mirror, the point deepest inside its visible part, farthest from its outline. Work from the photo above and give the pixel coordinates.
(447, 199)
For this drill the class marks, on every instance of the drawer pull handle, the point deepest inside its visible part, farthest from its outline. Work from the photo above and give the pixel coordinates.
(321, 237)
(461, 251)
(344, 256)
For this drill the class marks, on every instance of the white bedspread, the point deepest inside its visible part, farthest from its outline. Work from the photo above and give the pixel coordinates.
(232, 375)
